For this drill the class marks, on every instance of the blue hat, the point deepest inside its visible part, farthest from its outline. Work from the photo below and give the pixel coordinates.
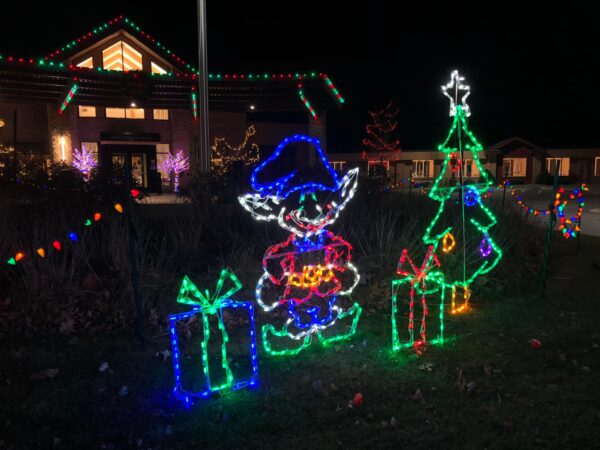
(293, 181)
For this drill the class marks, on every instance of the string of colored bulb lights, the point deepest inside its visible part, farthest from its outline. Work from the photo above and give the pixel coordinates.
(212, 304)
(69, 97)
(568, 226)
(71, 236)
(49, 64)
(107, 26)
(308, 272)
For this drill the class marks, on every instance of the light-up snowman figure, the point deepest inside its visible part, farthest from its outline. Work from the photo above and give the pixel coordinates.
(309, 273)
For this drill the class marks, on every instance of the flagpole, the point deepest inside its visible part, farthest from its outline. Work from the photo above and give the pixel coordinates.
(201, 155)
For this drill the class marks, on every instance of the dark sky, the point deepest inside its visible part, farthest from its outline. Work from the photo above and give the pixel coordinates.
(533, 73)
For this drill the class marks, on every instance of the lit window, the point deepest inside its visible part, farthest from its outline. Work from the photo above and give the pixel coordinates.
(115, 113)
(422, 168)
(470, 169)
(134, 113)
(157, 69)
(564, 166)
(160, 114)
(121, 56)
(597, 166)
(87, 111)
(88, 63)
(378, 168)
(162, 153)
(92, 147)
(514, 167)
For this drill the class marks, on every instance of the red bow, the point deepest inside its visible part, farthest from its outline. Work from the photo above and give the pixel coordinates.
(420, 273)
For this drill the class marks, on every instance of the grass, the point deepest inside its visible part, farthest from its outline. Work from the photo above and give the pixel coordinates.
(487, 387)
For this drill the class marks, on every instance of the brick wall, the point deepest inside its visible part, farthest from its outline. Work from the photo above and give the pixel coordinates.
(32, 123)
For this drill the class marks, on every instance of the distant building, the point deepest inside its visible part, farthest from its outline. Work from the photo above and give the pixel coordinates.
(516, 159)
(125, 96)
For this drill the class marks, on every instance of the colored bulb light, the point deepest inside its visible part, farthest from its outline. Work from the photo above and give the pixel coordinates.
(68, 98)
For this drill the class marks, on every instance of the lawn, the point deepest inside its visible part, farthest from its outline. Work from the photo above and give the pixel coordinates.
(487, 387)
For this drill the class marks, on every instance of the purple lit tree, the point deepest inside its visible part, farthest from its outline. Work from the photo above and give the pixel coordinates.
(84, 161)
(176, 164)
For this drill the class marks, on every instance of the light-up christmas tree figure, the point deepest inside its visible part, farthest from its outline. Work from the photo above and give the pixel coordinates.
(310, 275)
(475, 253)
(84, 161)
(380, 143)
(175, 165)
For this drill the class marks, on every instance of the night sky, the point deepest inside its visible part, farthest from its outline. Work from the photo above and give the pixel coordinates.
(533, 74)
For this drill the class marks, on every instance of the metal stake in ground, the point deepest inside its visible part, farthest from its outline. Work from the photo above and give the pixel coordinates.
(133, 253)
(551, 218)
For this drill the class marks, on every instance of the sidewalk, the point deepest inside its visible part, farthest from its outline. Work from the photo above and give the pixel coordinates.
(169, 198)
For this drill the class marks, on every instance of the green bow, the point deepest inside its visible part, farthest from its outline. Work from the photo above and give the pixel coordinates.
(189, 294)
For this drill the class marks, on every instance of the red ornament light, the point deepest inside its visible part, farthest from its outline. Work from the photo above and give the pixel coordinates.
(56, 245)
(358, 399)
(135, 193)
(535, 343)
(97, 217)
(19, 256)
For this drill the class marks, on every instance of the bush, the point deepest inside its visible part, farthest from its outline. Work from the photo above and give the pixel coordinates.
(91, 278)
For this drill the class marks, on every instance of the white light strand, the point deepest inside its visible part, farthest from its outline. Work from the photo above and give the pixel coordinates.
(455, 86)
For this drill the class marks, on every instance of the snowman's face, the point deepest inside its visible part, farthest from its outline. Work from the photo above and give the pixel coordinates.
(303, 212)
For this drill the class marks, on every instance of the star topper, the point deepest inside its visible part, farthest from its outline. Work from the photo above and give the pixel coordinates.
(457, 88)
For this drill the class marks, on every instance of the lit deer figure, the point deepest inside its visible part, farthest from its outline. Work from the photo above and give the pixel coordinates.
(307, 273)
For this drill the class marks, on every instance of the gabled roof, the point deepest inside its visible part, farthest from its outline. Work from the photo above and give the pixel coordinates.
(111, 27)
(54, 78)
(513, 143)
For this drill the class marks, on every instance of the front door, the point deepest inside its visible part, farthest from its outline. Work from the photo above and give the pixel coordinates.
(118, 159)
(138, 169)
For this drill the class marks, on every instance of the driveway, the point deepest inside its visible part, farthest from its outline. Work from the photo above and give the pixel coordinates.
(540, 196)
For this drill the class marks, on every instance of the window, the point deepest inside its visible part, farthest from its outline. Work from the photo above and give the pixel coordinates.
(115, 113)
(160, 114)
(134, 113)
(514, 167)
(88, 63)
(87, 111)
(378, 168)
(125, 113)
(92, 147)
(338, 166)
(162, 153)
(422, 168)
(564, 166)
(470, 169)
(121, 56)
(597, 166)
(157, 69)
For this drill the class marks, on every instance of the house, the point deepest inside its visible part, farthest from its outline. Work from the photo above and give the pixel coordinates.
(423, 165)
(129, 99)
(515, 159)
(524, 162)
